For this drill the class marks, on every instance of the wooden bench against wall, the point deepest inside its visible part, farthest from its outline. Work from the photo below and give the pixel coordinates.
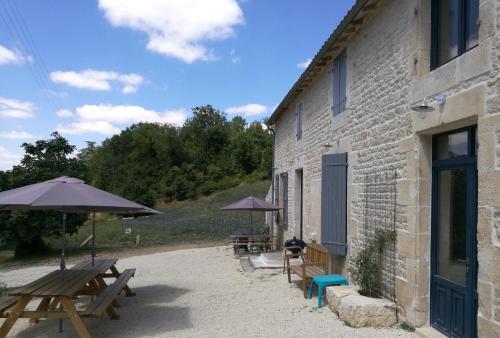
(316, 261)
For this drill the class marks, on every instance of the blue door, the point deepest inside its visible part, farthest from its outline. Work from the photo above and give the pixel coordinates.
(453, 234)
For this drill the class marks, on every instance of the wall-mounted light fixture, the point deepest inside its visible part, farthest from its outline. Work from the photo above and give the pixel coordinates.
(424, 106)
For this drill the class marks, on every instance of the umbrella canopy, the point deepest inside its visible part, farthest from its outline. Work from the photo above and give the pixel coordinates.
(251, 203)
(67, 194)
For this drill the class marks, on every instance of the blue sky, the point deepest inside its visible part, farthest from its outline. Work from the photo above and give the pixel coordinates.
(91, 68)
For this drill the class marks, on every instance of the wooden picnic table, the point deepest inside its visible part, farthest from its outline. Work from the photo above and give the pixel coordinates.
(248, 242)
(58, 287)
(62, 288)
(107, 269)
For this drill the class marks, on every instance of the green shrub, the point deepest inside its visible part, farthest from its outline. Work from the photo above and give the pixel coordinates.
(257, 175)
(407, 326)
(229, 182)
(366, 270)
(207, 188)
(169, 192)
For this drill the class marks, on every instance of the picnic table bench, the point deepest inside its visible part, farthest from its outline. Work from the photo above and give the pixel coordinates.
(5, 303)
(105, 299)
(62, 287)
(107, 269)
(249, 242)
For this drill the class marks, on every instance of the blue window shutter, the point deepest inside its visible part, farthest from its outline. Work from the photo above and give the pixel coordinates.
(284, 181)
(298, 121)
(342, 81)
(334, 203)
(336, 97)
(277, 191)
(339, 83)
(301, 113)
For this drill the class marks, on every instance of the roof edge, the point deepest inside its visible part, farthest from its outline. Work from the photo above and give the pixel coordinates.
(317, 61)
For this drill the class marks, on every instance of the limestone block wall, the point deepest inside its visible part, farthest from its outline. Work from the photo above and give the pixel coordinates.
(376, 118)
(489, 181)
(471, 83)
(388, 72)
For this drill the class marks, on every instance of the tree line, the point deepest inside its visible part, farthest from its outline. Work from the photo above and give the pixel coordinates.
(146, 163)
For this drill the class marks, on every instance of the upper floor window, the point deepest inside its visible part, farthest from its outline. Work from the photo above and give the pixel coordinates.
(455, 29)
(339, 83)
(298, 120)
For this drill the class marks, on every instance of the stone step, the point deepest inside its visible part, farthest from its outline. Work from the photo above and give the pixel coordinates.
(334, 295)
(428, 332)
(361, 311)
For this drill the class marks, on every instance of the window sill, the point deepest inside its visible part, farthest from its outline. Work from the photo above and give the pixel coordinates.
(435, 67)
(339, 120)
(475, 62)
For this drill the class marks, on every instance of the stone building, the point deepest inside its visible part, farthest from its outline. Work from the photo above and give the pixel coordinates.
(396, 124)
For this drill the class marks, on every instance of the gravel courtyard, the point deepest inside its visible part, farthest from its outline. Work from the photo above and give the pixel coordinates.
(202, 293)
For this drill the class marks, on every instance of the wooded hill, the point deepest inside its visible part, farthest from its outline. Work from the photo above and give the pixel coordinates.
(148, 163)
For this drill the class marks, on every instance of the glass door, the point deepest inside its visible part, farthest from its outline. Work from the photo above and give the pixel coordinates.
(453, 249)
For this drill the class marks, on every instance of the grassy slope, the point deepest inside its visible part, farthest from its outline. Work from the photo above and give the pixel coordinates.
(182, 222)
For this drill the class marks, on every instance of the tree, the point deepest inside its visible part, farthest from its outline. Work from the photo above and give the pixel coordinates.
(205, 135)
(136, 163)
(43, 160)
(148, 162)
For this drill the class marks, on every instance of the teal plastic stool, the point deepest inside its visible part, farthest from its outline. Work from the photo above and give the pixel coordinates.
(324, 281)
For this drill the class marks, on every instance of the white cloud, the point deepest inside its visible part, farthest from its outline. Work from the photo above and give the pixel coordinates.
(129, 89)
(16, 135)
(63, 113)
(98, 80)
(12, 56)
(252, 109)
(304, 64)
(54, 93)
(129, 114)
(177, 28)
(10, 108)
(8, 159)
(234, 57)
(103, 118)
(85, 127)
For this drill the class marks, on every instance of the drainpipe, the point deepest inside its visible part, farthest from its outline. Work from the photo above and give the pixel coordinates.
(272, 182)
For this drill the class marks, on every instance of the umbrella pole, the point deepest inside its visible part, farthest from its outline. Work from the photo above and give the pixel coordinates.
(62, 264)
(251, 221)
(93, 239)
(63, 243)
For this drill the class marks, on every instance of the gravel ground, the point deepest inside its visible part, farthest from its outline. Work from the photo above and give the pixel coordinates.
(202, 293)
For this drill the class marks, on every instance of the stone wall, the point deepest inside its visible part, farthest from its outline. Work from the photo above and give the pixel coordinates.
(388, 72)
(489, 180)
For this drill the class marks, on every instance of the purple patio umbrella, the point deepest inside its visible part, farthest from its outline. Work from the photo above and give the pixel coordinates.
(253, 204)
(69, 195)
